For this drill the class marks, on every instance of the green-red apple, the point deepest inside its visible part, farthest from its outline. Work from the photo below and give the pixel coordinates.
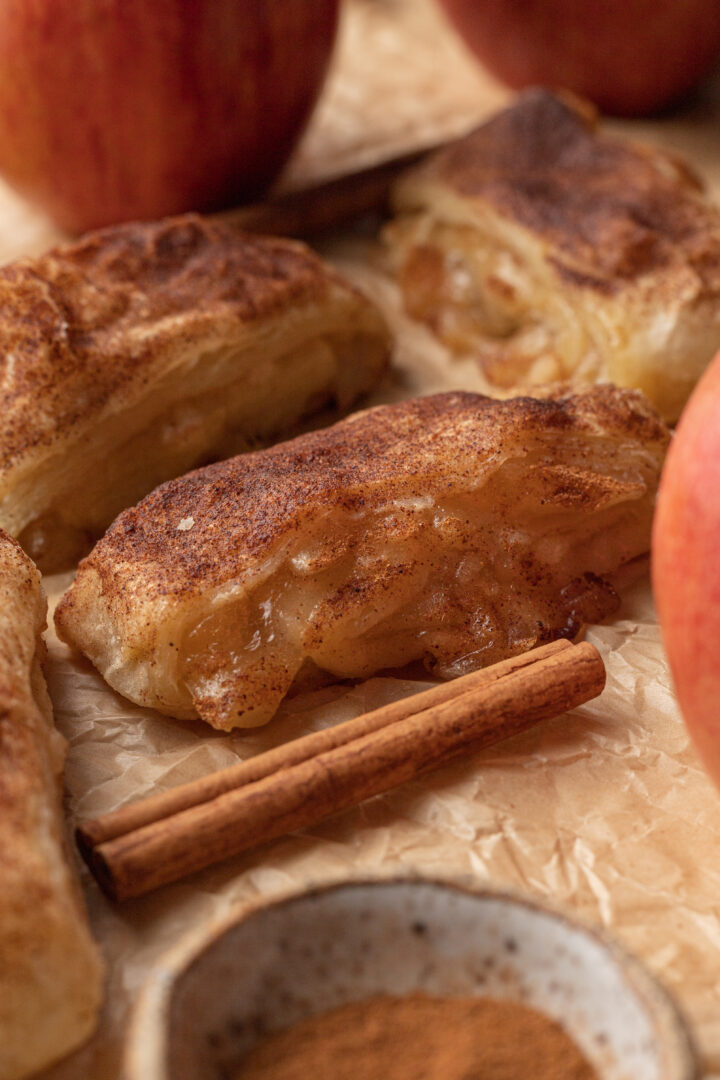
(119, 109)
(628, 56)
(686, 564)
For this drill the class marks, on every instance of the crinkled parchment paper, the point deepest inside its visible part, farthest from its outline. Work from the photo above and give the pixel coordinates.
(605, 810)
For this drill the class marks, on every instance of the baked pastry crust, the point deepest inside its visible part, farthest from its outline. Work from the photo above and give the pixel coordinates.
(141, 351)
(555, 252)
(50, 969)
(454, 529)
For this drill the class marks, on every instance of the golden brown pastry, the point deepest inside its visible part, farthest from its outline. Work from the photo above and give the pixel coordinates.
(454, 529)
(554, 252)
(141, 351)
(50, 970)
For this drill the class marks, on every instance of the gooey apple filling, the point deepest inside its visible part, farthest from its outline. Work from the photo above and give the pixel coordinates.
(481, 295)
(453, 582)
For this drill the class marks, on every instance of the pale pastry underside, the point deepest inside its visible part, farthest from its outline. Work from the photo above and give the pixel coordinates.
(550, 252)
(452, 530)
(50, 970)
(146, 350)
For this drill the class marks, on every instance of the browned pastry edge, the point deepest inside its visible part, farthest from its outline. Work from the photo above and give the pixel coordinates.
(50, 970)
(614, 210)
(74, 318)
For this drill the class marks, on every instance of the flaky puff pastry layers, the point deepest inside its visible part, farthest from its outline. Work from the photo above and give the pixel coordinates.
(50, 969)
(553, 252)
(141, 351)
(453, 529)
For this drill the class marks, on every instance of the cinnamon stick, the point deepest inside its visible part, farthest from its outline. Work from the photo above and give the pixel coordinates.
(296, 795)
(90, 834)
(322, 207)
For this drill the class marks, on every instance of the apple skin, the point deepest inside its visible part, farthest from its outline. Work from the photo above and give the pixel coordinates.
(686, 565)
(630, 57)
(112, 110)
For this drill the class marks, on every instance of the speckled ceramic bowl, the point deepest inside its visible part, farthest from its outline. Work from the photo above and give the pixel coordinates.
(283, 960)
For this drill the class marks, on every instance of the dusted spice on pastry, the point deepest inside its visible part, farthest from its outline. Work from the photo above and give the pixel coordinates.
(50, 969)
(142, 351)
(453, 529)
(554, 252)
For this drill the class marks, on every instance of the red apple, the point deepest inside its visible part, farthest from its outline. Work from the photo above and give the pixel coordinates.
(686, 565)
(630, 57)
(120, 109)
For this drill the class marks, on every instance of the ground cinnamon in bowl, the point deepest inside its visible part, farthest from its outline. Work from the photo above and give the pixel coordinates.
(207, 1007)
(421, 1038)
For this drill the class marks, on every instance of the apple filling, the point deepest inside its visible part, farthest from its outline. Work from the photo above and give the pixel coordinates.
(497, 303)
(456, 584)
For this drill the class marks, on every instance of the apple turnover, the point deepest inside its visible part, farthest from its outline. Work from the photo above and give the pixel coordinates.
(454, 529)
(50, 969)
(554, 252)
(141, 351)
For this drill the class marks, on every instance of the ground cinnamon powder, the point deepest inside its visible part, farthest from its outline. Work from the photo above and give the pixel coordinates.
(420, 1038)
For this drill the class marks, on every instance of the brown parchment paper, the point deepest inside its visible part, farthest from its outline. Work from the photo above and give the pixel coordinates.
(606, 810)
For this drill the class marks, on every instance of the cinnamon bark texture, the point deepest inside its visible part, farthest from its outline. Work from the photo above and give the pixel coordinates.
(323, 207)
(151, 810)
(306, 781)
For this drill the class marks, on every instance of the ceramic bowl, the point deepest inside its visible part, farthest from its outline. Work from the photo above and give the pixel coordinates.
(283, 960)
